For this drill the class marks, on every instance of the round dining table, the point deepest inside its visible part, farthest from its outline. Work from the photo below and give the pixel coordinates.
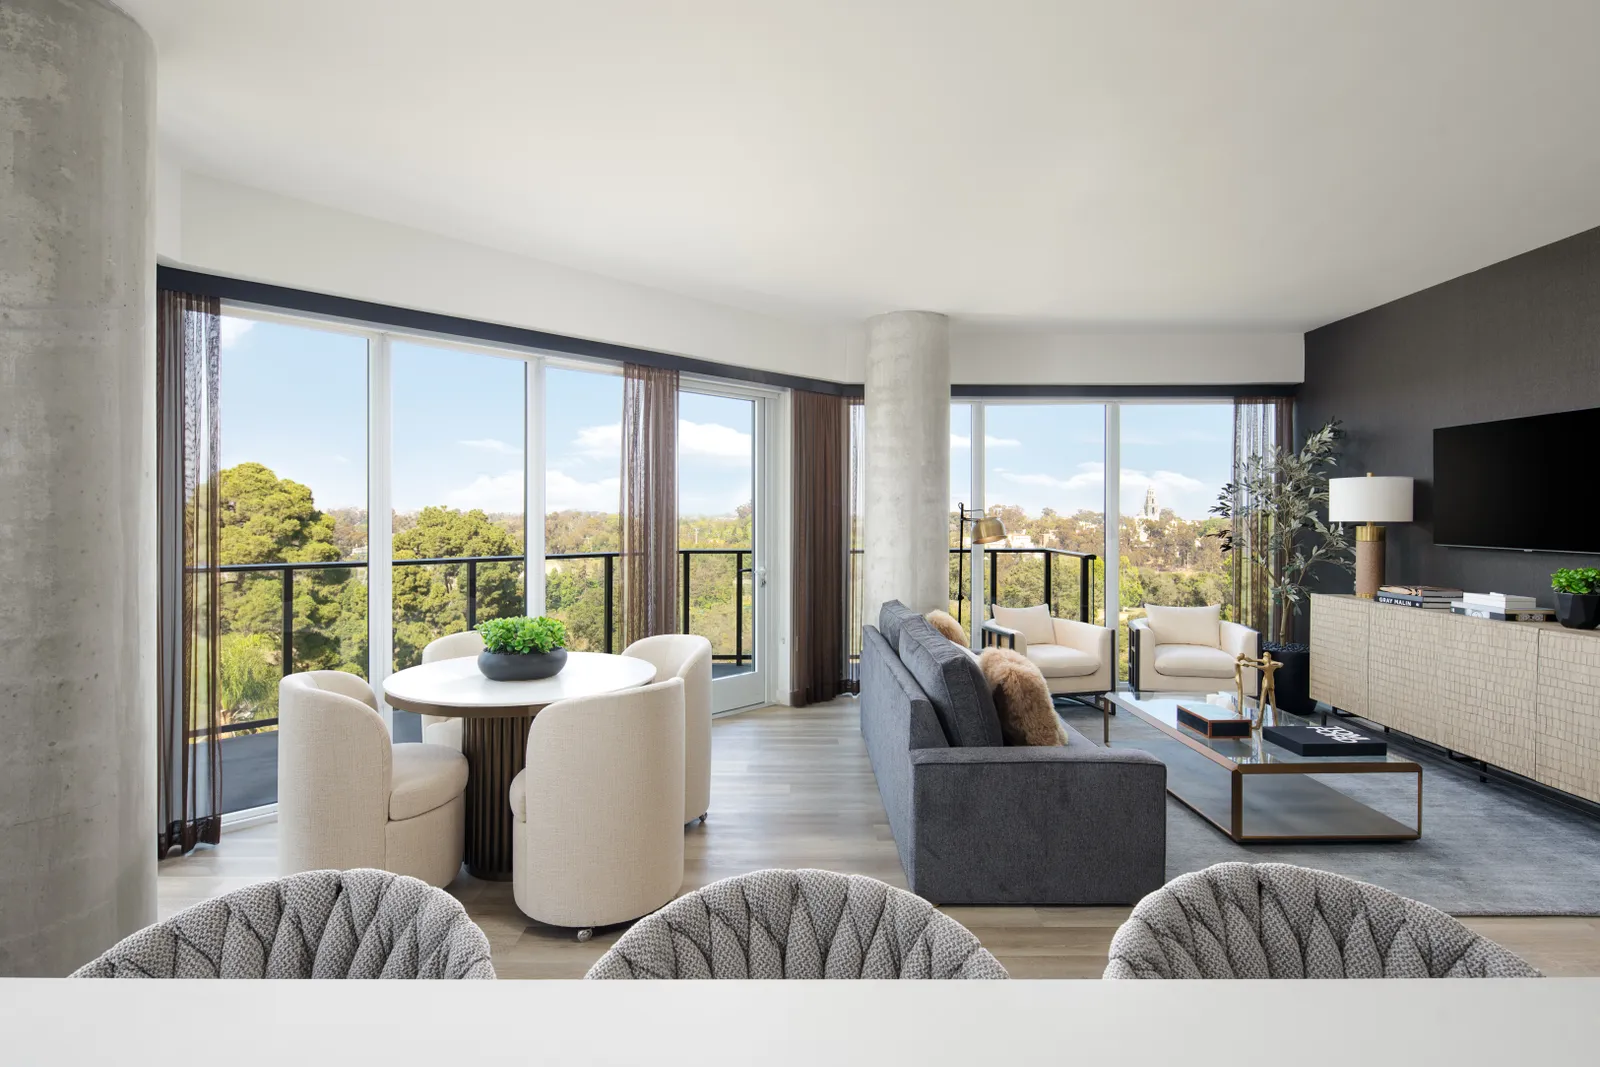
(495, 718)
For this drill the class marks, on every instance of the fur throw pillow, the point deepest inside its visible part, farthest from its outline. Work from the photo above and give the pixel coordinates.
(1021, 698)
(946, 624)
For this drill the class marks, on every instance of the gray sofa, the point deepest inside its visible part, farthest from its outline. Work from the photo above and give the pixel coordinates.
(977, 822)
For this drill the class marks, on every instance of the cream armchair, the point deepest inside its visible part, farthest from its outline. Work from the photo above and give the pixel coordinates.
(349, 797)
(1076, 658)
(1188, 650)
(687, 656)
(446, 729)
(596, 837)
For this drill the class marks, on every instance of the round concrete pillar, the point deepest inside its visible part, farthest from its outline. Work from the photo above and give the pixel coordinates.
(907, 461)
(77, 489)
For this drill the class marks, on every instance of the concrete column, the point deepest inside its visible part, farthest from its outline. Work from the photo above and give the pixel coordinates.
(907, 461)
(77, 488)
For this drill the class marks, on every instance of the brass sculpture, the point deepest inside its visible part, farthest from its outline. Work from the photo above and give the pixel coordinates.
(1268, 693)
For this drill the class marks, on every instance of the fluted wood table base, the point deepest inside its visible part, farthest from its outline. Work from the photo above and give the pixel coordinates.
(496, 748)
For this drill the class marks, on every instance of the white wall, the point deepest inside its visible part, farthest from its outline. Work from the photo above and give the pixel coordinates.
(1125, 358)
(241, 232)
(224, 228)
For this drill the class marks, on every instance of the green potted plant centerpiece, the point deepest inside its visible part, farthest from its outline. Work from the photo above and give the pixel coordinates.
(1274, 508)
(522, 649)
(1577, 597)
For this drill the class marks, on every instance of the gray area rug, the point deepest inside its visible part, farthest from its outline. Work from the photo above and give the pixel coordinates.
(1486, 848)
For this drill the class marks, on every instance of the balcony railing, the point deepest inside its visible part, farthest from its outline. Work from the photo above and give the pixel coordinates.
(1085, 571)
(286, 573)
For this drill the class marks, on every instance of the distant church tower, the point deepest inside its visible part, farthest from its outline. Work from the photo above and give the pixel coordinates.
(1150, 512)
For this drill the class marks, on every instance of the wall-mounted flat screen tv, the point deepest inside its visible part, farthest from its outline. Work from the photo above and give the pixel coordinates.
(1522, 484)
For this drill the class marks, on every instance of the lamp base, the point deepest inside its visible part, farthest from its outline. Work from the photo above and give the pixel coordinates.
(1369, 560)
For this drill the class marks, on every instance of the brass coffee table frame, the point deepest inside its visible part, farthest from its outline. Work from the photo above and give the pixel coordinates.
(1293, 795)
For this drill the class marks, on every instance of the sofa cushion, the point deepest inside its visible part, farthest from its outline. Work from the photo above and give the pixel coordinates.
(1186, 626)
(947, 625)
(1178, 661)
(424, 777)
(1021, 699)
(953, 683)
(1032, 623)
(1062, 661)
(891, 617)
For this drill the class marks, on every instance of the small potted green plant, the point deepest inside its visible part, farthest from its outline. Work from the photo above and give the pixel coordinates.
(522, 649)
(1577, 597)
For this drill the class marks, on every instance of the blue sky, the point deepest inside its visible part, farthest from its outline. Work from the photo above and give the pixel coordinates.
(1053, 455)
(294, 398)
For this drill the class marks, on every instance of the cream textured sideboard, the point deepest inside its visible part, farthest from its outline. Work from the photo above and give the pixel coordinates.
(1523, 696)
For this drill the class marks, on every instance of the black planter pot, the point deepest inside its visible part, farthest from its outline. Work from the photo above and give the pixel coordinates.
(520, 666)
(1578, 611)
(1292, 682)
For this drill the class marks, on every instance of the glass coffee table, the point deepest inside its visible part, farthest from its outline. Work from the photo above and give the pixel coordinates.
(1254, 791)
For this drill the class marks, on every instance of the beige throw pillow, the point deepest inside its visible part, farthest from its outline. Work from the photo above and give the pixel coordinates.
(1021, 699)
(1032, 623)
(1186, 626)
(946, 624)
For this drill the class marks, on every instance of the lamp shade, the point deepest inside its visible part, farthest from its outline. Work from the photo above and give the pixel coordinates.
(986, 531)
(1369, 499)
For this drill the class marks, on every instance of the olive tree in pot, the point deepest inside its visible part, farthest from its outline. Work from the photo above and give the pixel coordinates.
(1275, 508)
(1577, 597)
(522, 649)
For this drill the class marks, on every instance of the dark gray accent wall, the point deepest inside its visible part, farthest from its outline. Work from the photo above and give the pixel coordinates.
(1521, 337)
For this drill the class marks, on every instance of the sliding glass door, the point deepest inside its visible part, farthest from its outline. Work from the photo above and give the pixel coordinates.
(721, 536)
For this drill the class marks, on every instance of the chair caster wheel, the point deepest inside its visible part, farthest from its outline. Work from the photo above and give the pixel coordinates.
(703, 816)
(586, 933)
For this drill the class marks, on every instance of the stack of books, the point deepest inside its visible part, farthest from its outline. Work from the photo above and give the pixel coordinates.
(1502, 607)
(1437, 597)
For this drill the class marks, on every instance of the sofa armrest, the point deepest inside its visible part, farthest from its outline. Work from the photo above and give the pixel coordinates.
(1076, 824)
(997, 636)
(1141, 654)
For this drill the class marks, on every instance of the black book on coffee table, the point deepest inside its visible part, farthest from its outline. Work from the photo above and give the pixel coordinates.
(1324, 741)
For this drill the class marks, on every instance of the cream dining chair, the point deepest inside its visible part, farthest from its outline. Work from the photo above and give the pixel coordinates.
(446, 729)
(687, 656)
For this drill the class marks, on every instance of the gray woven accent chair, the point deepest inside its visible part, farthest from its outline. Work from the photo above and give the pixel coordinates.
(318, 924)
(1273, 920)
(798, 924)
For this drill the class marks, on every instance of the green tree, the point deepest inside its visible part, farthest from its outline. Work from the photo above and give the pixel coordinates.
(430, 600)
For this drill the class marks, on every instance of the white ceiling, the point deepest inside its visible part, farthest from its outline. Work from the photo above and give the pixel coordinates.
(1061, 163)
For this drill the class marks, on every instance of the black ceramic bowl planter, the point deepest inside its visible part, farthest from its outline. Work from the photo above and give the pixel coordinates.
(522, 649)
(521, 666)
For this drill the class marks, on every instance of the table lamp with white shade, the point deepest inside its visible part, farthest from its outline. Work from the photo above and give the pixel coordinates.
(1369, 501)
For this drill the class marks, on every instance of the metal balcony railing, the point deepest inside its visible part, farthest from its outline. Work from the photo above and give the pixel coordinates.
(286, 575)
(1085, 571)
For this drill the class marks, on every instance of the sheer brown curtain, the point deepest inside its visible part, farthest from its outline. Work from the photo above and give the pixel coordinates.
(649, 556)
(820, 665)
(856, 558)
(188, 444)
(1260, 424)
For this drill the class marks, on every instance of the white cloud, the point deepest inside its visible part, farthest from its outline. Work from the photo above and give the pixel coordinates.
(699, 440)
(600, 442)
(490, 444)
(1088, 475)
(1165, 481)
(499, 492)
(233, 329)
(562, 492)
(712, 440)
(958, 440)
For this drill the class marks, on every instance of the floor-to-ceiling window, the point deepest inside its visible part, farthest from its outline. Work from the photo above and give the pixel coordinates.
(294, 529)
(717, 525)
(582, 479)
(1176, 457)
(457, 493)
(1044, 476)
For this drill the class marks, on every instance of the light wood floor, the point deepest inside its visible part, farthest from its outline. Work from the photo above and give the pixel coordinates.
(793, 788)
